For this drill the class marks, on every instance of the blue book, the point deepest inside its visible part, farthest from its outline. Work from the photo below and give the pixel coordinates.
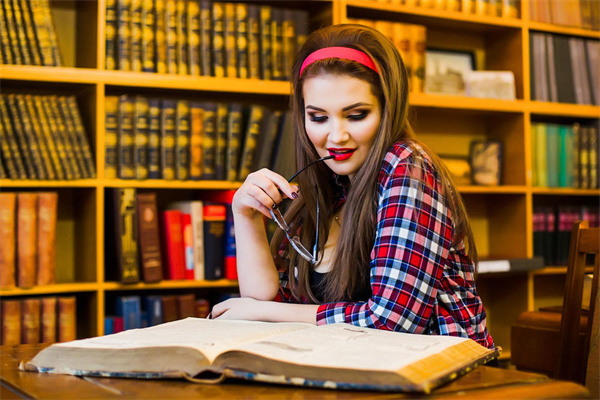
(153, 305)
(129, 307)
(109, 325)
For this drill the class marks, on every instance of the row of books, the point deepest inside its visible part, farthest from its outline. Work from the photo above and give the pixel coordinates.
(410, 40)
(564, 69)
(578, 13)
(191, 240)
(552, 230)
(27, 35)
(498, 8)
(133, 312)
(189, 140)
(202, 37)
(564, 155)
(47, 319)
(28, 239)
(43, 137)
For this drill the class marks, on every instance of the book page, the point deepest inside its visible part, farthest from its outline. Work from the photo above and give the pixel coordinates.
(351, 347)
(211, 337)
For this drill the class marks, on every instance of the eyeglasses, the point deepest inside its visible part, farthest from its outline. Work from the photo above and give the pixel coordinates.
(311, 257)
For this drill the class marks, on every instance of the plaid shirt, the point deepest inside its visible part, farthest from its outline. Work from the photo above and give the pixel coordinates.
(419, 282)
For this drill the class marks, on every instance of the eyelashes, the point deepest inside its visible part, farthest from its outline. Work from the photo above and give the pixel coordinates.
(352, 117)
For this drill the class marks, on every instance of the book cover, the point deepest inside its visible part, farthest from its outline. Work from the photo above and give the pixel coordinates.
(209, 141)
(136, 28)
(564, 70)
(169, 307)
(11, 321)
(229, 40)
(584, 158)
(174, 253)
(124, 34)
(205, 38)
(196, 139)
(251, 137)
(402, 362)
(234, 141)
(214, 216)
(182, 143)
(160, 34)
(194, 209)
(153, 306)
(15, 136)
(148, 45)
(167, 139)
(218, 39)
(121, 236)
(26, 239)
(193, 37)
(30, 321)
(253, 42)
(47, 204)
(119, 325)
(171, 36)
(109, 325)
(221, 143)
(48, 319)
(186, 306)
(181, 49)
(130, 309)
(266, 54)
(111, 118)
(539, 226)
(8, 267)
(288, 29)
(241, 39)
(110, 35)
(149, 238)
(9, 144)
(154, 122)
(140, 137)
(592, 57)
(125, 142)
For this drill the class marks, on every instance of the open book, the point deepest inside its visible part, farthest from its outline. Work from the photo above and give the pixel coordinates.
(333, 356)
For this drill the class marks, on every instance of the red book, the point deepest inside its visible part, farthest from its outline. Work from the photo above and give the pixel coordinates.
(119, 324)
(188, 245)
(174, 262)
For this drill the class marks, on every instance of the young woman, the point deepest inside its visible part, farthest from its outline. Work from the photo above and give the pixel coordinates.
(391, 245)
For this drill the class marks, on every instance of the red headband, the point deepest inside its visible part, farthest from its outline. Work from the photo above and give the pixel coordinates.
(339, 52)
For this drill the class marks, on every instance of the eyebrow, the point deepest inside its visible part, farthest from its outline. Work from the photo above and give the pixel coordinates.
(359, 104)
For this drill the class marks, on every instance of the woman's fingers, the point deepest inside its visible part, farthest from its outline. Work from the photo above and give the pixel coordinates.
(263, 190)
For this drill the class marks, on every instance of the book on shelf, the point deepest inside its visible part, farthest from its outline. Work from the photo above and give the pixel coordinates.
(8, 265)
(209, 141)
(510, 265)
(48, 318)
(26, 223)
(125, 146)
(154, 132)
(150, 257)
(111, 124)
(218, 39)
(47, 203)
(186, 306)
(284, 353)
(171, 36)
(241, 39)
(130, 309)
(221, 125)
(214, 216)
(182, 140)
(136, 29)
(169, 307)
(229, 40)
(583, 14)
(168, 138)
(124, 34)
(194, 209)
(196, 139)
(182, 54)
(251, 137)
(10, 321)
(140, 137)
(174, 251)
(121, 236)
(153, 306)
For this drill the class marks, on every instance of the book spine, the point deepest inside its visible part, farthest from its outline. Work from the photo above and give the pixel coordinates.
(576, 154)
(218, 39)
(221, 145)
(125, 138)
(28, 27)
(31, 140)
(252, 134)
(171, 35)
(30, 321)
(196, 137)
(15, 136)
(196, 212)
(136, 29)
(66, 127)
(153, 306)
(188, 245)
(229, 41)
(48, 319)
(42, 33)
(277, 44)
(289, 41)
(67, 323)
(12, 161)
(182, 133)
(202, 307)
(268, 138)
(209, 142)
(56, 57)
(110, 35)
(46, 237)
(168, 139)
(39, 137)
(169, 307)
(24, 149)
(20, 29)
(72, 109)
(418, 38)
(140, 134)
(182, 36)
(124, 34)
(253, 42)
(241, 39)
(265, 43)
(57, 134)
(148, 37)
(26, 239)
(12, 33)
(205, 39)
(126, 234)
(302, 27)
(193, 38)
(174, 256)
(37, 113)
(214, 216)
(234, 141)
(154, 139)
(149, 238)
(8, 203)
(584, 158)
(230, 262)
(160, 33)
(7, 55)
(593, 157)
(185, 306)
(111, 133)
(552, 154)
(11, 322)
(130, 309)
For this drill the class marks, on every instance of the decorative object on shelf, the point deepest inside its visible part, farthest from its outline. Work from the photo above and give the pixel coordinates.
(486, 162)
(446, 71)
(459, 167)
(490, 85)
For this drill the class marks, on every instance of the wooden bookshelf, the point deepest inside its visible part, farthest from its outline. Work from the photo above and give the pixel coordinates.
(501, 216)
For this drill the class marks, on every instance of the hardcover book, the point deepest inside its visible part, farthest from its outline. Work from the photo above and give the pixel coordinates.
(8, 202)
(284, 353)
(149, 238)
(11, 321)
(67, 326)
(30, 320)
(46, 237)
(26, 239)
(122, 235)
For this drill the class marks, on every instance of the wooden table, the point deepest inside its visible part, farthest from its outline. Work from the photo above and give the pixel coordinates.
(481, 383)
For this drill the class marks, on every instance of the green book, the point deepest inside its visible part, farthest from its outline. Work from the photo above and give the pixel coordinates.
(542, 157)
(552, 154)
(566, 163)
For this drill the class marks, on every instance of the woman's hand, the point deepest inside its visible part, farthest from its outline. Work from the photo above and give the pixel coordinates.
(262, 190)
(245, 308)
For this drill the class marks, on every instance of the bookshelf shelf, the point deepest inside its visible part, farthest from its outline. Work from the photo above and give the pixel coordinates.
(564, 30)
(565, 191)
(82, 183)
(466, 103)
(51, 289)
(556, 270)
(49, 74)
(508, 189)
(563, 109)
(168, 284)
(161, 184)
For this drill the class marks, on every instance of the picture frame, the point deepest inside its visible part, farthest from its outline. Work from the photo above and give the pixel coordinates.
(485, 158)
(446, 71)
(459, 168)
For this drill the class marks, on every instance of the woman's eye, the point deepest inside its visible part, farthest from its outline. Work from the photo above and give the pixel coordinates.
(359, 116)
(315, 118)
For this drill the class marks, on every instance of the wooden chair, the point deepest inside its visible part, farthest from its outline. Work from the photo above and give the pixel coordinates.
(556, 343)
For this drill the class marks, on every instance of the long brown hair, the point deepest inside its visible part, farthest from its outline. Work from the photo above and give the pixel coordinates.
(350, 270)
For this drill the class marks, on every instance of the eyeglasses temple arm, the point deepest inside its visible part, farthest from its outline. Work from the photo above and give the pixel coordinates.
(308, 165)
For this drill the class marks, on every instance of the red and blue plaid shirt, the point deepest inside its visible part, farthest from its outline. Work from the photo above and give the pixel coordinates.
(420, 283)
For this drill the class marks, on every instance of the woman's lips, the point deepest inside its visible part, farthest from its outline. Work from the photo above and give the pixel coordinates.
(341, 154)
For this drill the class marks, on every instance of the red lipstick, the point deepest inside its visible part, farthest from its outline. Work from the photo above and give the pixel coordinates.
(341, 154)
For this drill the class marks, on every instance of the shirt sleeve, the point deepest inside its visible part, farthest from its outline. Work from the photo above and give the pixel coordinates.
(413, 236)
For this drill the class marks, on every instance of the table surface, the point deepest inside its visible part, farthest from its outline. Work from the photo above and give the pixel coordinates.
(481, 383)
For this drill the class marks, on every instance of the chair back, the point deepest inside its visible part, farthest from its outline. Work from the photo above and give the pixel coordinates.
(584, 241)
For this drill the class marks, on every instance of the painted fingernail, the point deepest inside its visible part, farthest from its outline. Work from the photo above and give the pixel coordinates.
(294, 195)
(274, 206)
